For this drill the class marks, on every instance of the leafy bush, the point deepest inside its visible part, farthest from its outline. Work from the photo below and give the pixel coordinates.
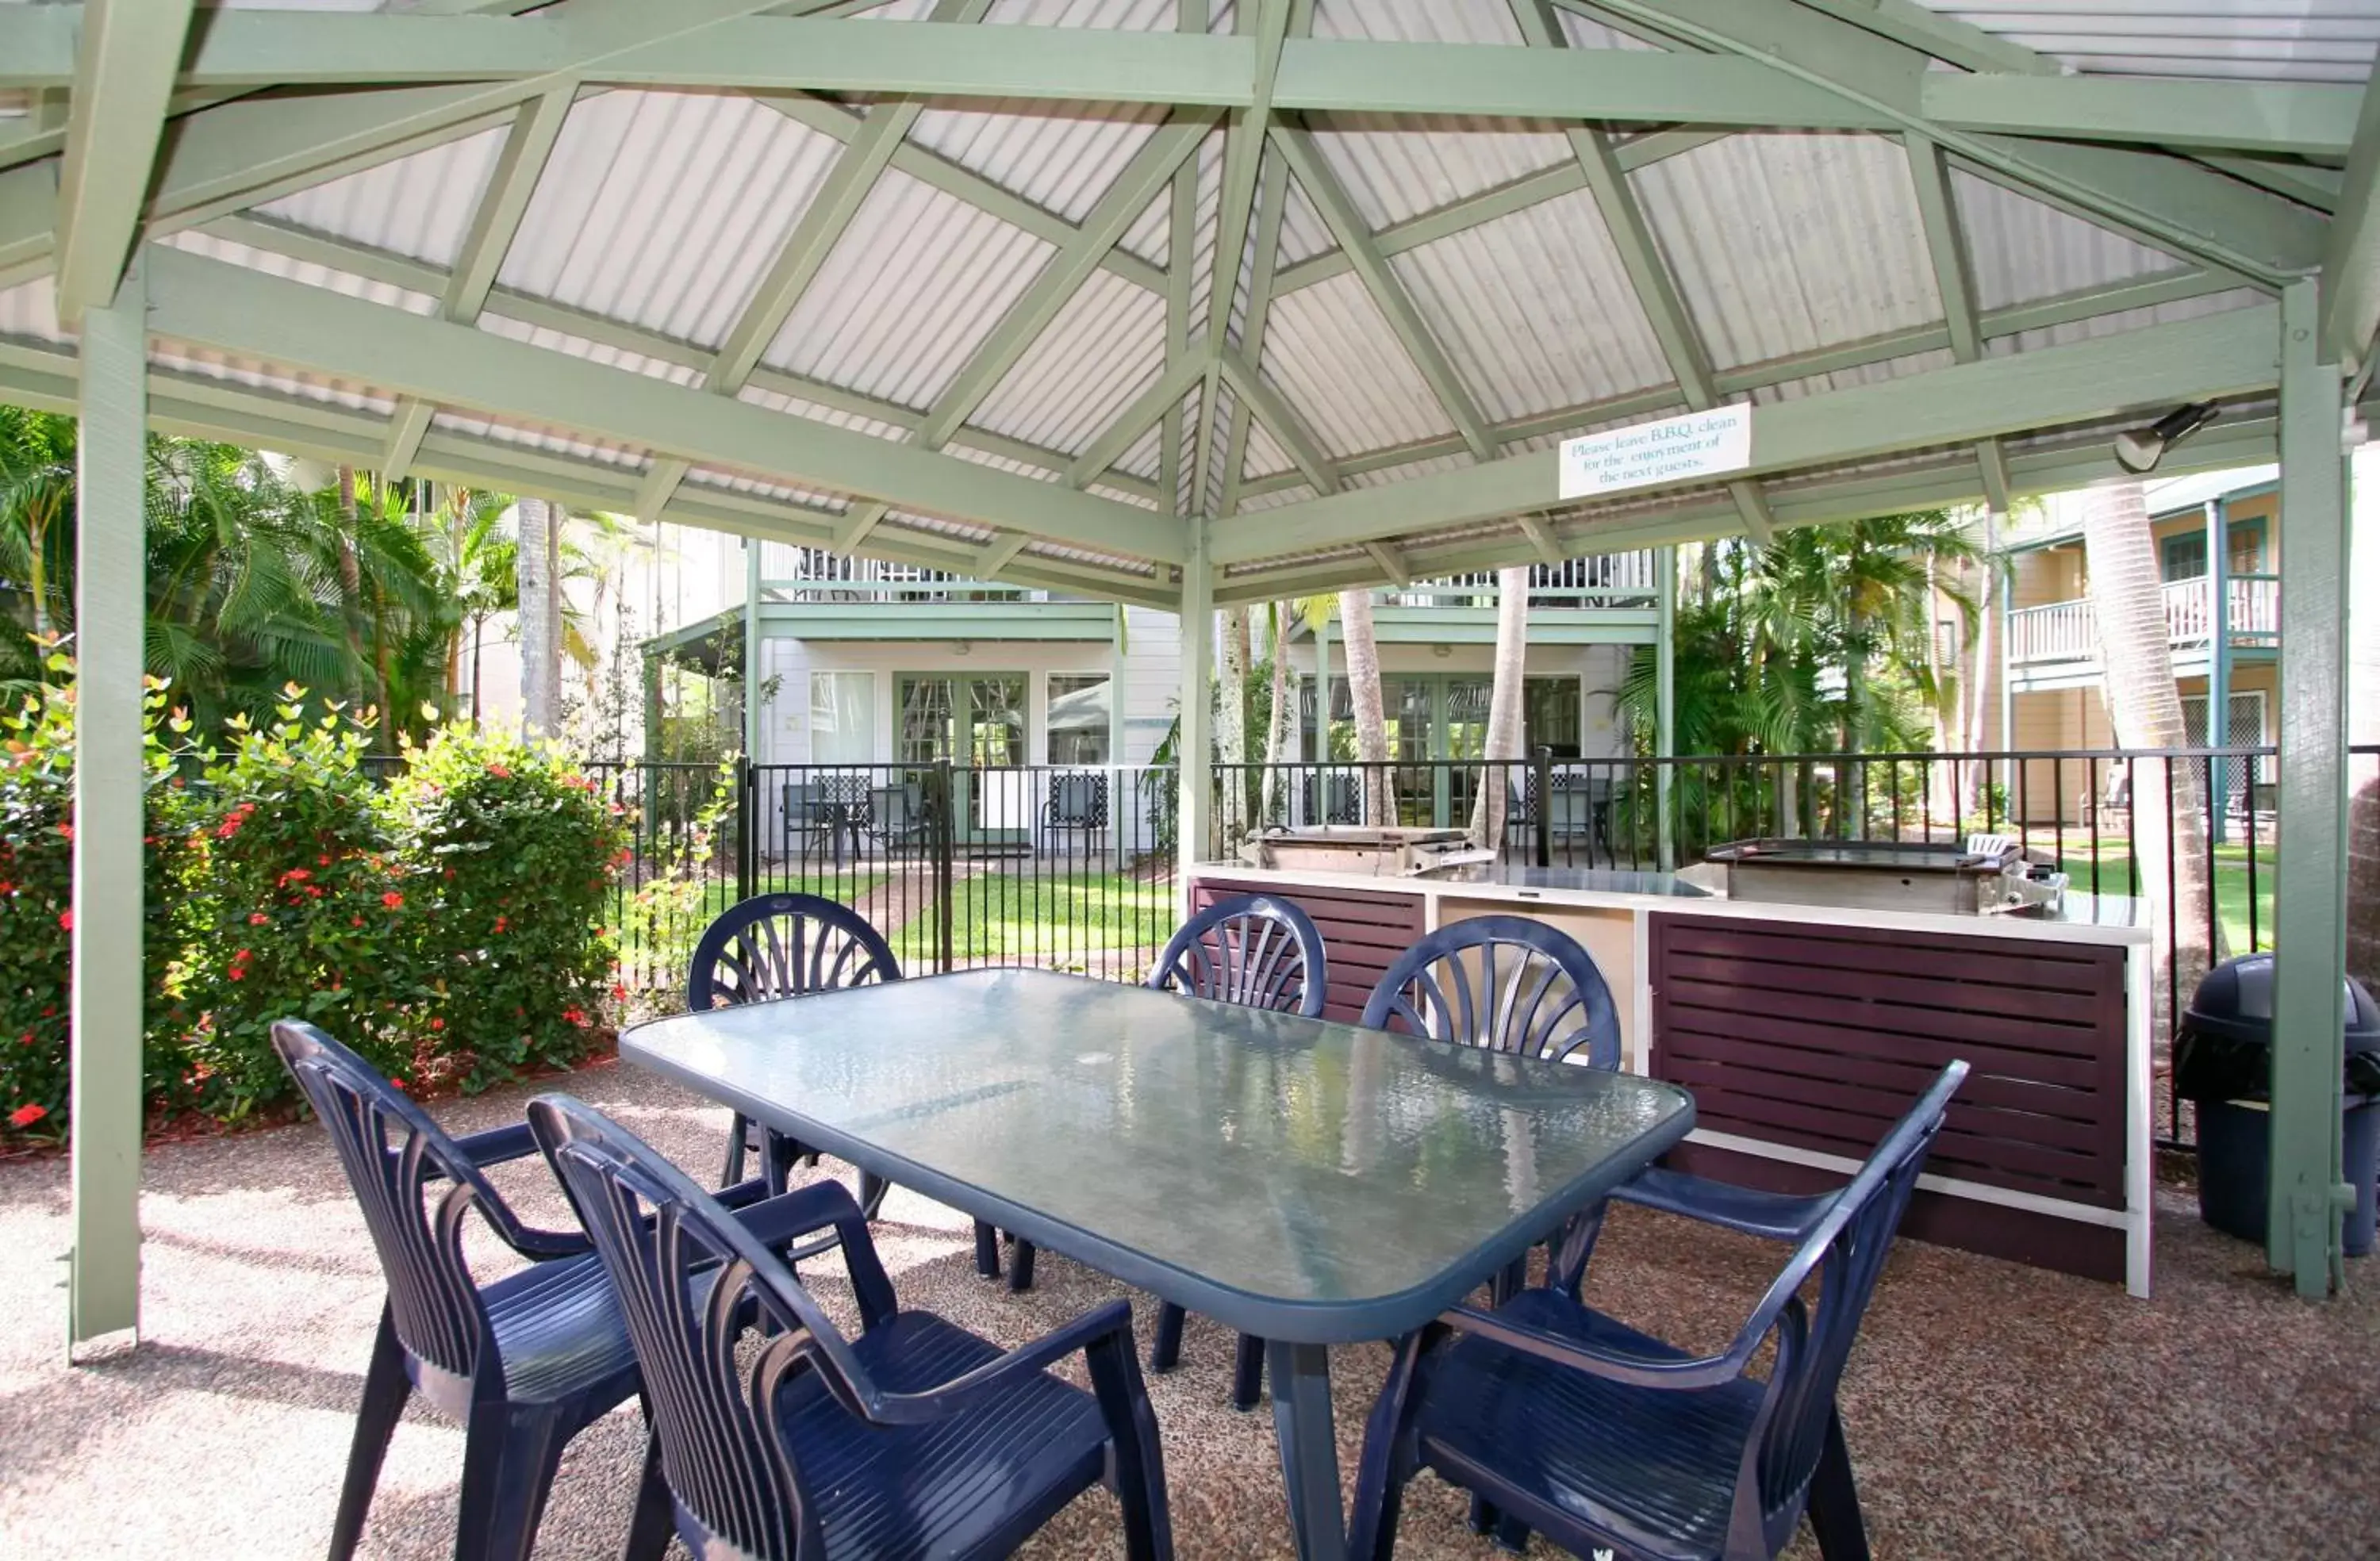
(36, 920)
(299, 908)
(511, 853)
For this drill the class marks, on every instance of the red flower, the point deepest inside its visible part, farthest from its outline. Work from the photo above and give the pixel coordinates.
(26, 1115)
(619, 993)
(321, 861)
(67, 829)
(574, 1016)
(501, 923)
(237, 972)
(258, 918)
(438, 1025)
(294, 875)
(398, 1084)
(65, 918)
(392, 899)
(313, 892)
(6, 888)
(500, 772)
(355, 921)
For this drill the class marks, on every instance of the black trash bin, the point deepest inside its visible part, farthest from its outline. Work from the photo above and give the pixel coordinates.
(2223, 1060)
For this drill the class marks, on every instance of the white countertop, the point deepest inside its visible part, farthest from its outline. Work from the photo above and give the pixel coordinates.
(2085, 918)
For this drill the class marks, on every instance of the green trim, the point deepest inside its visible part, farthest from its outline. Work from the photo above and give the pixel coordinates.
(2350, 261)
(1476, 626)
(1016, 620)
(122, 77)
(2303, 119)
(2309, 922)
(2221, 355)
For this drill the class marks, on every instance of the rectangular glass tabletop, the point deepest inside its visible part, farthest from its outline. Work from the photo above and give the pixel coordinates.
(1296, 1179)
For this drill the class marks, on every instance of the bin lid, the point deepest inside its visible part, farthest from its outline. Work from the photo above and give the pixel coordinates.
(2235, 1004)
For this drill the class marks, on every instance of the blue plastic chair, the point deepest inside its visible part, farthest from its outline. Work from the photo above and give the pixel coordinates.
(1257, 951)
(1506, 982)
(776, 946)
(525, 1362)
(1563, 1420)
(916, 1438)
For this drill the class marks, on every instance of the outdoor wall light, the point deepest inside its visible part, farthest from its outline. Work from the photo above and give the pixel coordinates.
(2138, 450)
(961, 647)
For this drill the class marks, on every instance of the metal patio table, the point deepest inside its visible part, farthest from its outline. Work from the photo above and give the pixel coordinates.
(1309, 1182)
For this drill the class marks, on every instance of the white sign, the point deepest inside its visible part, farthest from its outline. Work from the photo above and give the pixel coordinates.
(1699, 444)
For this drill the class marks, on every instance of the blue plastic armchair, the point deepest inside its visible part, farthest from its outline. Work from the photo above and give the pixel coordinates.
(1560, 1420)
(524, 1362)
(914, 1438)
(1260, 953)
(1506, 982)
(776, 946)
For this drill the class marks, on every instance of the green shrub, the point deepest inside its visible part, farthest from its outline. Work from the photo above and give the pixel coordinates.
(36, 876)
(300, 906)
(511, 855)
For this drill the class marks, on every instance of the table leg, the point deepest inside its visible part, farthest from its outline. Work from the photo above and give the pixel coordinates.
(1309, 1448)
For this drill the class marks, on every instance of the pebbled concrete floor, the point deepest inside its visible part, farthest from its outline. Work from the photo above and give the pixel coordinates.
(1993, 1411)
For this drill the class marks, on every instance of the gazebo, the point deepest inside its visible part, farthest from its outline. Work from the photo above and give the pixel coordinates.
(1185, 303)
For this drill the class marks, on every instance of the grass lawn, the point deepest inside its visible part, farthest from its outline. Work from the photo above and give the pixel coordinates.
(1003, 916)
(664, 961)
(2115, 863)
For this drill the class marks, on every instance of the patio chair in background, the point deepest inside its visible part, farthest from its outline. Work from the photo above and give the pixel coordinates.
(897, 815)
(783, 946)
(1561, 1420)
(1077, 804)
(526, 1361)
(1506, 982)
(915, 1437)
(1260, 953)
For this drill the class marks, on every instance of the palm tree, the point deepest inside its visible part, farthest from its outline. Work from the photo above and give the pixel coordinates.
(37, 493)
(1371, 715)
(2127, 590)
(1503, 703)
(537, 591)
(1232, 728)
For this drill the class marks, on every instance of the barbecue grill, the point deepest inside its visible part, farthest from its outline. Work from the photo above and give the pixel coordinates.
(1389, 852)
(1987, 874)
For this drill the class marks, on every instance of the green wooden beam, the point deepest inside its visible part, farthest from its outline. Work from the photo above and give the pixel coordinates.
(1158, 400)
(2351, 264)
(1338, 213)
(1541, 538)
(1237, 366)
(1266, 403)
(1946, 247)
(211, 303)
(2306, 120)
(104, 1274)
(494, 225)
(1640, 256)
(1393, 564)
(2310, 921)
(960, 183)
(123, 76)
(990, 564)
(1180, 280)
(2221, 355)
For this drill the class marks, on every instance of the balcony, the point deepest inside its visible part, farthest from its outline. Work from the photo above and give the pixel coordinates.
(1606, 598)
(2063, 636)
(814, 574)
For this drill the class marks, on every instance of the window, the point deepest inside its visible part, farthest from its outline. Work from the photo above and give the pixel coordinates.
(2183, 555)
(1550, 715)
(842, 717)
(2244, 547)
(1949, 642)
(977, 721)
(1080, 704)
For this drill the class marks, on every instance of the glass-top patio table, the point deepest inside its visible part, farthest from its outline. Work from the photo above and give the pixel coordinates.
(1307, 1182)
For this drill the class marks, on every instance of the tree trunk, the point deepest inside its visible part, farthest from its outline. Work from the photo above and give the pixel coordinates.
(1982, 675)
(351, 583)
(2363, 723)
(1284, 727)
(1504, 706)
(2127, 596)
(1371, 719)
(1231, 730)
(539, 638)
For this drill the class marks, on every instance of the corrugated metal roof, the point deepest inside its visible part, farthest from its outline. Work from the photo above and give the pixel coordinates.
(738, 482)
(273, 264)
(2250, 40)
(30, 311)
(1783, 244)
(1265, 454)
(1057, 159)
(2019, 249)
(419, 206)
(665, 209)
(594, 351)
(918, 280)
(1535, 309)
(256, 374)
(1105, 348)
(540, 437)
(1328, 348)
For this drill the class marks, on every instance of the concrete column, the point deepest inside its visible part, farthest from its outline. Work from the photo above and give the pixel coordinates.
(2310, 925)
(2218, 666)
(103, 1291)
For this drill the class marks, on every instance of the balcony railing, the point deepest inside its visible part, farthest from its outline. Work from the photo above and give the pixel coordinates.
(1601, 580)
(2068, 630)
(816, 574)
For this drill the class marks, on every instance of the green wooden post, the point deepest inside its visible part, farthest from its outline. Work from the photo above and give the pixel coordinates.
(751, 650)
(1322, 701)
(103, 1297)
(1665, 702)
(2218, 666)
(2310, 918)
(1194, 751)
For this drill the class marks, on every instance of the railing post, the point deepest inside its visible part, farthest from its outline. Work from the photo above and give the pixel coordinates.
(1542, 776)
(1665, 703)
(2218, 667)
(943, 876)
(748, 827)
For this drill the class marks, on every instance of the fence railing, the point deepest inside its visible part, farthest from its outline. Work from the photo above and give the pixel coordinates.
(1598, 580)
(816, 574)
